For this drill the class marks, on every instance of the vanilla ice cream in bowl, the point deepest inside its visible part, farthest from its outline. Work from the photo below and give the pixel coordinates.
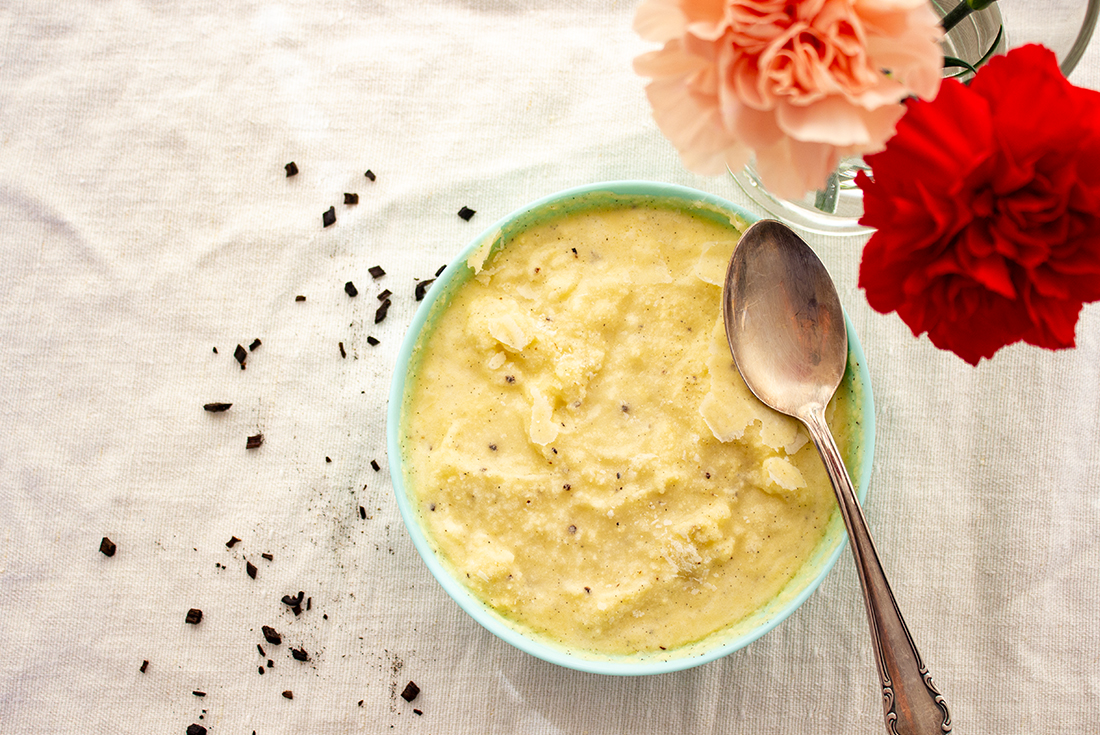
(575, 455)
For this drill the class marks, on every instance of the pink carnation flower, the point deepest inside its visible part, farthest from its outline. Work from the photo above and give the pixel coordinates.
(798, 84)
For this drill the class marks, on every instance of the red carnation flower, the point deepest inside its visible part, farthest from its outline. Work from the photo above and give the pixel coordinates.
(987, 209)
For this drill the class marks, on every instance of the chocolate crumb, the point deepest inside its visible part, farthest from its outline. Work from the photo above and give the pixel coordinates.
(194, 616)
(376, 272)
(269, 557)
(271, 635)
(240, 354)
(261, 650)
(422, 288)
(329, 217)
(410, 692)
(215, 350)
(196, 730)
(270, 664)
(351, 198)
(288, 694)
(350, 289)
(250, 569)
(380, 313)
(232, 542)
(372, 341)
(385, 295)
(360, 702)
(254, 441)
(374, 465)
(466, 213)
(216, 407)
(299, 297)
(107, 547)
(299, 654)
(291, 169)
(255, 343)
(328, 460)
(260, 669)
(309, 603)
(362, 512)
(370, 175)
(441, 269)
(417, 712)
(343, 354)
(144, 666)
(198, 693)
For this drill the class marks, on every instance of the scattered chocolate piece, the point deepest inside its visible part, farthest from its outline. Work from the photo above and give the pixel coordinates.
(410, 692)
(380, 313)
(329, 459)
(255, 343)
(343, 352)
(261, 650)
(385, 295)
(271, 635)
(215, 350)
(350, 289)
(374, 465)
(232, 542)
(372, 341)
(418, 712)
(360, 702)
(351, 198)
(194, 616)
(299, 297)
(254, 441)
(144, 666)
(299, 654)
(269, 557)
(260, 669)
(240, 354)
(422, 288)
(288, 694)
(107, 547)
(376, 272)
(370, 175)
(466, 213)
(329, 217)
(291, 169)
(250, 569)
(309, 603)
(198, 693)
(362, 512)
(196, 730)
(216, 407)
(270, 664)
(441, 269)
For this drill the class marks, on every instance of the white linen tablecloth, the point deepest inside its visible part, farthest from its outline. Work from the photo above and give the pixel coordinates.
(146, 220)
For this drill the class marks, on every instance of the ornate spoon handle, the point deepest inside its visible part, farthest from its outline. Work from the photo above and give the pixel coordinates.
(911, 702)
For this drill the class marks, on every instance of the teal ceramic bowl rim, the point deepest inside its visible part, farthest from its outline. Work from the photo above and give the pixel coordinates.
(489, 618)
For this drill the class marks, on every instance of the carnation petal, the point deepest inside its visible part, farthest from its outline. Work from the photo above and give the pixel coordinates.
(660, 20)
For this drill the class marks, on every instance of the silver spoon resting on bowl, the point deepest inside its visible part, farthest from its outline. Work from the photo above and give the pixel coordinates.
(787, 333)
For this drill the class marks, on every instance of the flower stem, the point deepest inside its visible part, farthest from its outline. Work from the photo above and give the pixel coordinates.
(956, 15)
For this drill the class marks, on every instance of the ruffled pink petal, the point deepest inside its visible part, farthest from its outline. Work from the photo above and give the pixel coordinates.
(694, 127)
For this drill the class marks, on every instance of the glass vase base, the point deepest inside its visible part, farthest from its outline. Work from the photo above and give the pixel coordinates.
(833, 211)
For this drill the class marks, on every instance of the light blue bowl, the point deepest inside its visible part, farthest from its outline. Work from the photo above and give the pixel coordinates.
(715, 645)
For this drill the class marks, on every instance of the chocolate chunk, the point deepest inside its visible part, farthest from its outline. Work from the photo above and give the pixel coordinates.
(329, 217)
(144, 666)
(269, 557)
(299, 297)
(422, 288)
(374, 465)
(380, 313)
(216, 407)
(255, 343)
(196, 730)
(410, 692)
(385, 295)
(260, 669)
(343, 353)
(350, 289)
(370, 175)
(466, 213)
(250, 569)
(362, 512)
(372, 341)
(351, 198)
(107, 547)
(441, 269)
(261, 650)
(254, 441)
(194, 616)
(198, 693)
(418, 712)
(232, 542)
(376, 272)
(215, 350)
(329, 459)
(291, 170)
(271, 635)
(299, 654)
(288, 694)
(240, 354)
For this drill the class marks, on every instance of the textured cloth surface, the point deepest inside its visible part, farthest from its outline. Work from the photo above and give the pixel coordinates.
(148, 228)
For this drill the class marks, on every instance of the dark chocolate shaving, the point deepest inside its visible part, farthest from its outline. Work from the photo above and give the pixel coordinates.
(422, 288)
(144, 666)
(329, 217)
(216, 407)
(250, 569)
(194, 616)
(343, 352)
(441, 269)
(271, 635)
(350, 289)
(197, 693)
(374, 465)
(288, 694)
(370, 175)
(196, 730)
(255, 343)
(362, 512)
(385, 295)
(376, 272)
(254, 441)
(232, 542)
(372, 341)
(410, 692)
(466, 213)
(299, 654)
(269, 557)
(291, 170)
(351, 198)
(107, 547)
(380, 313)
(240, 354)
(299, 297)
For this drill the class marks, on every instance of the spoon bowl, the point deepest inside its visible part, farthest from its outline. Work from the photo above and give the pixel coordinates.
(786, 330)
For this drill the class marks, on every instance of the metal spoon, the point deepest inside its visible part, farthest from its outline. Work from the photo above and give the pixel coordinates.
(786, 329)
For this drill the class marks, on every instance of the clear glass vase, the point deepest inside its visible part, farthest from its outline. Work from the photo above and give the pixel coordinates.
(836, 209)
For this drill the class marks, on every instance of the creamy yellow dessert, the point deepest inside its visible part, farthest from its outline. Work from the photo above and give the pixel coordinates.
(582, 451)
